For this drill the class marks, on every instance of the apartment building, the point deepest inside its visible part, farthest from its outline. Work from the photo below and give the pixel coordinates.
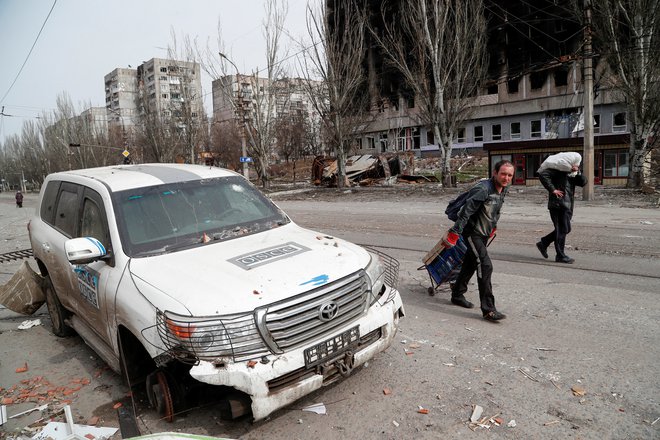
(120, 97)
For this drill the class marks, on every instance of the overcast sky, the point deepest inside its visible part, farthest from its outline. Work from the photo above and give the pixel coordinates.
(83, 40)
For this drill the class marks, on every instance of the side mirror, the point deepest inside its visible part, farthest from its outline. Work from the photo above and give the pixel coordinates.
(84, 250)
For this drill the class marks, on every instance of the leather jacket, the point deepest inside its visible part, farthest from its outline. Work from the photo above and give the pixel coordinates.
(481, 211)
(554, 179)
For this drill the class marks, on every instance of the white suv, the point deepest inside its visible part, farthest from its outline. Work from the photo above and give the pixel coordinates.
(181, 274)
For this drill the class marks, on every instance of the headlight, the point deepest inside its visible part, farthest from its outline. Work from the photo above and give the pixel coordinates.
(376, 274)
(208, 338)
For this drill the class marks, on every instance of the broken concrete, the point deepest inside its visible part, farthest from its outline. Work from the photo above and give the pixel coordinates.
(23, 293)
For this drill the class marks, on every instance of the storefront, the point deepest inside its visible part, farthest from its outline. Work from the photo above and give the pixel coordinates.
(610, 157)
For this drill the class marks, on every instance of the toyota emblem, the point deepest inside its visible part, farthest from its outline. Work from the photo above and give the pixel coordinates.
(328, 311)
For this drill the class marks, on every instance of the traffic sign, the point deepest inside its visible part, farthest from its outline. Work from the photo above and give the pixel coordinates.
(246, 159)
(125, 153)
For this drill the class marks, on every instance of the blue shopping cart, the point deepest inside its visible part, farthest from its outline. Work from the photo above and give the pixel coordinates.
(444, 264)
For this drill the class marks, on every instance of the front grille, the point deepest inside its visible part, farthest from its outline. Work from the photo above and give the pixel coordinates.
(297, 320)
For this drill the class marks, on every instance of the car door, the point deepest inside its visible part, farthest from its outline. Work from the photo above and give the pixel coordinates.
(62, 227)
(96, 281)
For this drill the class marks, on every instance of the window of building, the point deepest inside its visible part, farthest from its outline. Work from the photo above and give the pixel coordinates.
(193, 114)
(515, 130)
(497, 132)
(615, 163)
(619, 122)
(163, 69)
(164, 95)
(176, 95)
(512, 86)
(537, 80)
(535, 128)
(533, 162)
(410, 102)
(596, 124)
(162, 78)
(561, 77)
(492, 89)
(401, 140)
(371, 142)
(383, 142)
(478, 133)
(358, 143)
(461, 135)
(430, 138)
(415, 133)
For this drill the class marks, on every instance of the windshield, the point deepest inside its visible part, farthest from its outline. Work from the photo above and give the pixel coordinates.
(171, 217)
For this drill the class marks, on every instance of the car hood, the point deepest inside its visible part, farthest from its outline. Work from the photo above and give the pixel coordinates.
(242, 274)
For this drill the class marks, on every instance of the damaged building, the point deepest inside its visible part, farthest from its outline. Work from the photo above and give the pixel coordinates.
(529, 107)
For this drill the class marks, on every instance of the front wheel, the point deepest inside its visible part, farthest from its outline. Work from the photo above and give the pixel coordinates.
(56, 311)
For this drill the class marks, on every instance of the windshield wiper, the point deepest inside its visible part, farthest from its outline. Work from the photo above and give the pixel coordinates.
(183, 244)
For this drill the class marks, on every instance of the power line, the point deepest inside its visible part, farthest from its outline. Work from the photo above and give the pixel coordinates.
(29, 53)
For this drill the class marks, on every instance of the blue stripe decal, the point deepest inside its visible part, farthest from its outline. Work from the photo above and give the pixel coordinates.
(98, 244)
(317, 281)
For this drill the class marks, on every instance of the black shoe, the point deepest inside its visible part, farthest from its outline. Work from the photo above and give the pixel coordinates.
(461, 301)
(567, 260)
(542, 249)
(494, 316)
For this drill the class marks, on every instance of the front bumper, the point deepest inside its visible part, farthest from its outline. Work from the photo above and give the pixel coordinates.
(285, 379)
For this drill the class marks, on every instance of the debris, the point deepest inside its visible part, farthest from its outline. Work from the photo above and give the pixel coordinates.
(29, 323)
(22, 293)
(545, 349)
(476, 413)
(251, 364)
(36, 408)
(71, 431)
(93, 420)
(646, 222)
(527, 375)
(117, 405)
(422, 410)
(512, 424)
(256, 292)
(318, 408)
(578, 390)
(387, 391)
(498, 421)
(447, 364)
(22, 369)
(655, 421)
(553, 422)
(300, 421)
(414, 345)
(553, 382)
(394, 422)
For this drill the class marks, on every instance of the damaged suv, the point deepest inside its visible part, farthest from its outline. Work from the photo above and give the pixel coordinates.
(181, 276)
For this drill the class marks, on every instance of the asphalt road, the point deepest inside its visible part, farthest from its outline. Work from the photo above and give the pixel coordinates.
(577, 356)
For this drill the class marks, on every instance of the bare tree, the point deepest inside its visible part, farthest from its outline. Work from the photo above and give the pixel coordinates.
(333, 70)
(628, 36)
(226, 144)
(439, 48)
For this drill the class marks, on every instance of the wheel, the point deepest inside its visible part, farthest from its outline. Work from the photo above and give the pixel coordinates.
(160, 396)
(57, 313)
(431, 291)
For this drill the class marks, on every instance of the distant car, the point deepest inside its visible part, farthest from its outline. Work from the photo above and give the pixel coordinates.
(178, 275)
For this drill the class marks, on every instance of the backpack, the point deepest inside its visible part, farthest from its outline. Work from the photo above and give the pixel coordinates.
(455, 206)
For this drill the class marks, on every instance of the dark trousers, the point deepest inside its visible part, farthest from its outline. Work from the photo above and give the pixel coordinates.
(476, 259)
(561, 219)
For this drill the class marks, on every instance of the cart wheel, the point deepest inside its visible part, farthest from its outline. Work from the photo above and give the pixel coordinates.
(431, 291)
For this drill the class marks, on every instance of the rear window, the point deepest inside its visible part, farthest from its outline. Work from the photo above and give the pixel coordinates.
(170, 217)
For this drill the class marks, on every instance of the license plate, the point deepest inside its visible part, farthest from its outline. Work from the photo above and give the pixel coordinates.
(333, 346)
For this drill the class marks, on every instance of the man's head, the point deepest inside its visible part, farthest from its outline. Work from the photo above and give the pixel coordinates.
(503, 173)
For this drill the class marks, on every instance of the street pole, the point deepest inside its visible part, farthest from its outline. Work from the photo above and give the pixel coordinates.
(588, 190)
(241, 114)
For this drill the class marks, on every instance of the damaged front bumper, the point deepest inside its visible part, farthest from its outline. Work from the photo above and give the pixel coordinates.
(286, 378)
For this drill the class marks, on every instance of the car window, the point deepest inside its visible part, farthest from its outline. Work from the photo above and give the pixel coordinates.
(48, 201)
(92, 222)
(67, 209)
(155, 218)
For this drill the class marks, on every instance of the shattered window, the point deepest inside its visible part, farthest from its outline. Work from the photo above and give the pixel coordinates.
(168, 217)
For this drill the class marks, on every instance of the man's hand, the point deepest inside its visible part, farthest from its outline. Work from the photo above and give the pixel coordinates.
(559, 193)
(450, 239)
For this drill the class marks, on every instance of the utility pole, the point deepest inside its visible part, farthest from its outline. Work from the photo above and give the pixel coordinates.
(241, 114)
(588, 190)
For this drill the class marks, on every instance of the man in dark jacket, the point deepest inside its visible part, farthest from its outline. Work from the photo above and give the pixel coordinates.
(477, 222)
(561, 194)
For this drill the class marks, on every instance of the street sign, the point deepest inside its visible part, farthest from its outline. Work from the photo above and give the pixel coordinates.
(125, 153)
(246, 159)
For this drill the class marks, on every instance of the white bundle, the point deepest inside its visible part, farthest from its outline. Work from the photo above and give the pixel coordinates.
(561, 161)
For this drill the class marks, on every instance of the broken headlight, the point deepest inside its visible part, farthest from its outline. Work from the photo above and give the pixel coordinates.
(376, 275)
(208, 338)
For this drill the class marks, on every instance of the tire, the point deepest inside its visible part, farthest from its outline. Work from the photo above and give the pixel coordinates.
(57, 313)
